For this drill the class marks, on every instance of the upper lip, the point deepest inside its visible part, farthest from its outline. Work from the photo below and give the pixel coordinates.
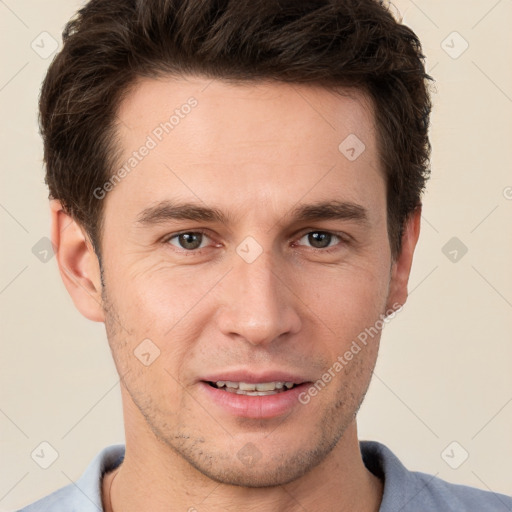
(252, 377)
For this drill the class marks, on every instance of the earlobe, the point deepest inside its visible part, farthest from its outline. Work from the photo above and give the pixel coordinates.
(78, 263)
(401, 268)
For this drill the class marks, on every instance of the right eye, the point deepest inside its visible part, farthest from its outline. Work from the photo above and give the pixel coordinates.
(187, 240)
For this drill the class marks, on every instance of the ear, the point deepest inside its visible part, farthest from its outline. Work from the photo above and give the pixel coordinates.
(78, 263)
(401, 267)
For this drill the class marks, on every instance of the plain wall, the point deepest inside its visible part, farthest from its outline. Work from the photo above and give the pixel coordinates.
(445, 367)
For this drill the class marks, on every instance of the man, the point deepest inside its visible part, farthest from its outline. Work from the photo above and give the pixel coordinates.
(235, 192)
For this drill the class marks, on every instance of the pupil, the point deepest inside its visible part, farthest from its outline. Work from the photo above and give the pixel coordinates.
(319, 239)
(190, 240)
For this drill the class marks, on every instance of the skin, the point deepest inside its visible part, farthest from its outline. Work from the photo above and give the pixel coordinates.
(254, 151)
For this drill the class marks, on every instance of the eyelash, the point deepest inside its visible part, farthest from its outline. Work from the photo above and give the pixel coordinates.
(344, 239)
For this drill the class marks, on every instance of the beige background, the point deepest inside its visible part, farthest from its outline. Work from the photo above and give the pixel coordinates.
(445, 368)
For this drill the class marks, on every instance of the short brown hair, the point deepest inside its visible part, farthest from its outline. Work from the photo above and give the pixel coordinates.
(348, 43)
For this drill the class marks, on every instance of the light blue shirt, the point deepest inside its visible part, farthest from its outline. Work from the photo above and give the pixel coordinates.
(404, 490)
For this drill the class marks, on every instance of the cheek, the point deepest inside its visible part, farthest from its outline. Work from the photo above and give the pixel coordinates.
(348, 298)
(157, 299)
(162, 312)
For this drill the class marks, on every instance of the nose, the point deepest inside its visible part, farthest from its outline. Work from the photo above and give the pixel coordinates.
(258, 302)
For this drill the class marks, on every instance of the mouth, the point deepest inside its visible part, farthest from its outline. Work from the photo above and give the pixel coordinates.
(253, 389)
(250, 394)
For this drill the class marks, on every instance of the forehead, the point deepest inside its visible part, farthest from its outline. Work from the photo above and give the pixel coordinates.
(225, 143)
(225, 107)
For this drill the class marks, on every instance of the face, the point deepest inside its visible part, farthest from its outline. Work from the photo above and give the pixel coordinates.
(244, 246)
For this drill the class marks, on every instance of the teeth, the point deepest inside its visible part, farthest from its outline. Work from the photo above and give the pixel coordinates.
(244, 386)
(256, 393)
(258, 389)
(265, 386)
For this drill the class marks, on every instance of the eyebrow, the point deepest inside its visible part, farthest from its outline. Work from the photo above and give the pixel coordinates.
(165, 211)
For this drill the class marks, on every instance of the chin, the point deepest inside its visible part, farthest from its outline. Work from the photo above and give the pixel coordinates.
(263, 477)
(249, 467)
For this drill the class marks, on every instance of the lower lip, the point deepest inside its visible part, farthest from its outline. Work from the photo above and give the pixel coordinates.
(260, 407)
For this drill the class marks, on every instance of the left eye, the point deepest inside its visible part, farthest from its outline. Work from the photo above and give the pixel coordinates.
(189, 240)
(321, 239)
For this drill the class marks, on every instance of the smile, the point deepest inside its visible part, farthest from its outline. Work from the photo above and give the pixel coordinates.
(253, 389)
